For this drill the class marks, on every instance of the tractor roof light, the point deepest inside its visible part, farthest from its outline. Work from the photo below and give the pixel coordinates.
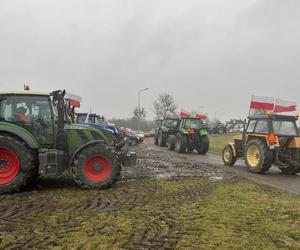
(269, 113)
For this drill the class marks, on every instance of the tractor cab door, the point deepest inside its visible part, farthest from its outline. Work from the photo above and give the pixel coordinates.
(32, 112)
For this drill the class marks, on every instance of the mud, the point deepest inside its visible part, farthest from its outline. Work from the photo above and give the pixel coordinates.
(24, 217)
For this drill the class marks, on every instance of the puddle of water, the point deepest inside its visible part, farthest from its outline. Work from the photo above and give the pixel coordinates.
(216, 178)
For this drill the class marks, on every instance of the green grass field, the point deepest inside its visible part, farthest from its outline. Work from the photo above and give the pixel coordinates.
(217, 142)
(188, 213)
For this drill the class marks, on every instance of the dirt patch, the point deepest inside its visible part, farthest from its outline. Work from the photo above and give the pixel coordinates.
(157, 163)
(161, 203)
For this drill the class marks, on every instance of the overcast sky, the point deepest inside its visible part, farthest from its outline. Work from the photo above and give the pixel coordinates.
(212, 55)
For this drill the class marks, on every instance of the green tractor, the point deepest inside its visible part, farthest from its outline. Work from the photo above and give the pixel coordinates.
(168, 126)
(38, 139)
(191, 134)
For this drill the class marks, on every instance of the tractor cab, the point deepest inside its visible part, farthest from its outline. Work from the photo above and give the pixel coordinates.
(170, 124)
(33, 112)
(167, 126)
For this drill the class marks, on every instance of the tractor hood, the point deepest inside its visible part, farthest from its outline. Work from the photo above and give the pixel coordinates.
(80, 134)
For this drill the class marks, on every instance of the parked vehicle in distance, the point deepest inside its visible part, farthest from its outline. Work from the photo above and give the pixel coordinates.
(238, 128)
(191, 135)
(167, 126)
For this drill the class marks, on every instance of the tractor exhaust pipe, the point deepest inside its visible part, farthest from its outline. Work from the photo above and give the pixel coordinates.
(59, 103)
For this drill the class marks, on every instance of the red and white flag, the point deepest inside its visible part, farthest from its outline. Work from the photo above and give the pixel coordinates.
(201, 116)
(184, 114)
(262, 102)
(284, 106)
(74, 100)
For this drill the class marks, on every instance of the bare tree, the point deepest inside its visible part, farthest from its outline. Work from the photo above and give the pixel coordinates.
(139, 113)
(164, 106)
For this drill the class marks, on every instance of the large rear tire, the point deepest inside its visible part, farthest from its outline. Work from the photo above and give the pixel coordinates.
(227, 155)
(17, 164)
(96, 167)
(204, 145)
(181, 143)
(258, 157)
(171, 142)
(162, 139)
(155, 139)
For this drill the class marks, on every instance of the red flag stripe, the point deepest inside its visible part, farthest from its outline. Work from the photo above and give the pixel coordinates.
(279, 109)
(200, 116)
(184, 114)
(261, 105)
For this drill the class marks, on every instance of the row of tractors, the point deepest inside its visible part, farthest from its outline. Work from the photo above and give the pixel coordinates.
(183, 134)
(266, 139)
(39, 137)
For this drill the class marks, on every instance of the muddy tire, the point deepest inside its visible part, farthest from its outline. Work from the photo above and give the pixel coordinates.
(227, 156)
(181, 143)
(155, 139)
(258, 157)
(17, 164)
(204, 145)
(171, 142)
(290, 170)
(96, 167)
(162, 139)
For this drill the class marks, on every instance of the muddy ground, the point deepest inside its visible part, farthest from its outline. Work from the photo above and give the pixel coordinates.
(142, 211)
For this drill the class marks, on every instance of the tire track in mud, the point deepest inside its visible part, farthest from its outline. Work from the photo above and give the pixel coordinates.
(162, 231)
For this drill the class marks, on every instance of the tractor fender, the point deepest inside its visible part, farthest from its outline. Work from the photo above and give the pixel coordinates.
(78, 150)
(23, 134)
(232, 145)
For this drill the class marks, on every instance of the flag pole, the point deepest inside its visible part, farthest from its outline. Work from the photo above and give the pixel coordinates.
(250, 105)
(274, 106)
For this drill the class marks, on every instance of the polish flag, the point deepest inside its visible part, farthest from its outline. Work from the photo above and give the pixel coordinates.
(284, 106)
(201, 116)
(262, 102)
(184, 114)
(74, 100)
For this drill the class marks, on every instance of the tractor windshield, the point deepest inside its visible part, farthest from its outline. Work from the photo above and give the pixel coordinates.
(170, 123)
(32, 112)
(285, 128)
(193, 123)
(99, 120)
(81, 118)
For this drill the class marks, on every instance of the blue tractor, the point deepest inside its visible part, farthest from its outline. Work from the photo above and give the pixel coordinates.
(97, 120)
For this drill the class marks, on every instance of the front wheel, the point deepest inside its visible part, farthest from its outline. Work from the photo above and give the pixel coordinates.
(204, 145)
(96, 167)
(227, 155)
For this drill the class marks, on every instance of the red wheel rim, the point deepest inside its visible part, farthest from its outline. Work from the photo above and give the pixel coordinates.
(9, 166)
(97, 169)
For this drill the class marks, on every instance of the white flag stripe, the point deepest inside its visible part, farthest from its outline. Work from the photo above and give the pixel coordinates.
(263, 99)
(285, 103)
(72, 96)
